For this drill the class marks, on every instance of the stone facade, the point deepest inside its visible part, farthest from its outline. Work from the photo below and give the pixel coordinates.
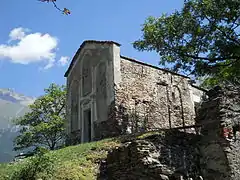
(155, 98)
(219, 117)
(90, 89)
(109, 95)
(212, 154)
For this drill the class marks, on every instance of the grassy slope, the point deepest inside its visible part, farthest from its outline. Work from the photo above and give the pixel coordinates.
(74, 162)
(79, 162)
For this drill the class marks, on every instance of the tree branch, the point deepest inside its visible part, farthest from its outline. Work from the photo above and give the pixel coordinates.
(234, 23)
(179, 52)
(46, 140)
(63, 105)
(54, 4)
(224, 33)
(210, 59)
(203, 58)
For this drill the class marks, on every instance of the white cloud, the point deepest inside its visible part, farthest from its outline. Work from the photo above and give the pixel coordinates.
(17, 33)
(30, 48)
(63, 60)
(49, 65)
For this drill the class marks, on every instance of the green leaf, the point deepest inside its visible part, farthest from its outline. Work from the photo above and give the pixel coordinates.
(203, 38)
(43, 126)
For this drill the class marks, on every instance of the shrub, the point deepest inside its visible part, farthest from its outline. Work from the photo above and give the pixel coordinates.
(41, 166)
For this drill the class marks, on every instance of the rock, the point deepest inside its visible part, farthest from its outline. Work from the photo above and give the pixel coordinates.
(219, 147)
(153, 158)
(172, 154)
(163, 177)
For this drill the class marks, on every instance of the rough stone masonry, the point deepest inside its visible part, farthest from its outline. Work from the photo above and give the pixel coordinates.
(166, 155)
(109, 95)
(212, 154)
(219, 116)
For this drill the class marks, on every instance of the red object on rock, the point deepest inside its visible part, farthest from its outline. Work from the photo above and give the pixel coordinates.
(227, 132)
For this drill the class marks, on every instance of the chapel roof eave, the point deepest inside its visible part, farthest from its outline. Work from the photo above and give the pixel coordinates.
(80, 49)
(152, 66)
(123, 57)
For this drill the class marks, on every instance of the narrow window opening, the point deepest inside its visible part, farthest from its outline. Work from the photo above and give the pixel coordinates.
(87, 131)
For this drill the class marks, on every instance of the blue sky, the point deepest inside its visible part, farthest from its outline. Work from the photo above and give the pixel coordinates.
(29, 24)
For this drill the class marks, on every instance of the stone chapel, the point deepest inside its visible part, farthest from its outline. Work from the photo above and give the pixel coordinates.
(109, 94)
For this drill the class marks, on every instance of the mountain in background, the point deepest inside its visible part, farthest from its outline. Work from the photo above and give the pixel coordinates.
(12, 105)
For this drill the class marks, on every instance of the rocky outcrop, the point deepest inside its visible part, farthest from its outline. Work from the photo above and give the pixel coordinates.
(169, 155)
(219, 116)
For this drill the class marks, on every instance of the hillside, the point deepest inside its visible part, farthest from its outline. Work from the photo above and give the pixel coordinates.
(73, 163)
(126, 157)
(12, 105)
(165, 154)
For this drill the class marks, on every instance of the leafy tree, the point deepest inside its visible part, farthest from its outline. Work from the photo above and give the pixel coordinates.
(43, 126)
(64, 10)
(201, 39)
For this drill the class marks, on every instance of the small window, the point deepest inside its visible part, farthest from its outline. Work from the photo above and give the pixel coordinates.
(173, 96)
(87, 128)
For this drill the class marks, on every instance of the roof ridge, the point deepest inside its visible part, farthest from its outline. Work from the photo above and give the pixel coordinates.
(101, 42)
(80, 48)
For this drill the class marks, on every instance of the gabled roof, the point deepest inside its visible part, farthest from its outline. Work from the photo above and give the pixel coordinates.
(81, 47)
(123, 57)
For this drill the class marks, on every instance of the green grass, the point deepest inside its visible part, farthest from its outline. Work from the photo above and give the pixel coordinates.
(5, 170)
(81, 162)
(78, 162)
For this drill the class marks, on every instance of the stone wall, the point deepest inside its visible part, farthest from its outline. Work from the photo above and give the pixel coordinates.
(123, 95)
(219, 116)
(153, 98)
(164, 156)
(210, 154)
(148, 98)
